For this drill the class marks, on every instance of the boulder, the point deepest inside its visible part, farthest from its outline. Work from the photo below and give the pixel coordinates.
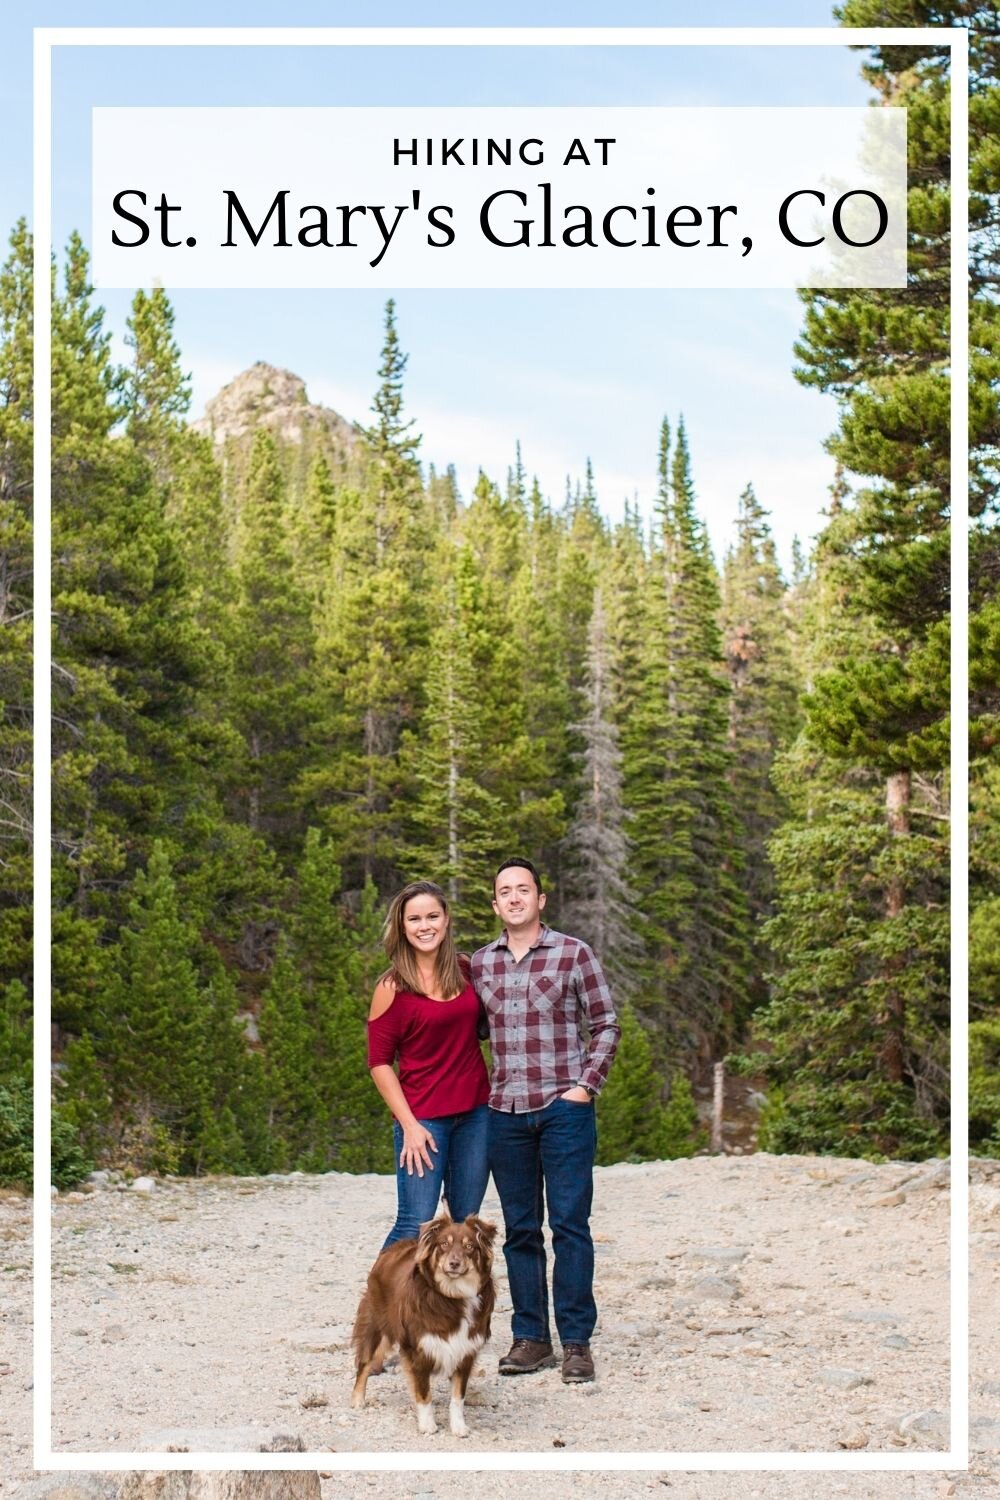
(843, 1380)
(723, 1256)
(68, 1487)
(230, 1484)
(925, 1429)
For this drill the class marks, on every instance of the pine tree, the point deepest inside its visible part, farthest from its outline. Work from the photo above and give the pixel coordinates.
(313, 535)
(522, 698)
(572, 555)
(231, 1129)
(496, 527)
(324, 1112)
(627, 567)
(188, 485)
(762, 703)
(16, 1158)
(834, 982)
(272, 651)
(984, 962)
(15, 1031)
(684, 865)
(84, 1099)
(127, 656)
(597, 904)
(156, 394)
(361, 1128)
(16, 426)
(443, 499)
(984, 624)
(154, 1026)
(800, 566)
(457, 823)
(634, 1124)
(883, 707)
(371, 639)
(295, 1125)
(825, 1016)
(394, 473)
(195, 510)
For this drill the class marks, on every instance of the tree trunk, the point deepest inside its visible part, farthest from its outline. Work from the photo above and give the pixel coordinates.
(718, 1102)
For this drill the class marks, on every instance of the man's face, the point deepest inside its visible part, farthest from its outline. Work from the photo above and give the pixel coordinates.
(517, 902)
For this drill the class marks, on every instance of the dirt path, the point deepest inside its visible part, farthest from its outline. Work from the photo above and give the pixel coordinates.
(756, 1303)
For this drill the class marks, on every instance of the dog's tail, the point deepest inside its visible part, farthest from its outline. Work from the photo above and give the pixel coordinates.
(365, 1336)
(371, 1345)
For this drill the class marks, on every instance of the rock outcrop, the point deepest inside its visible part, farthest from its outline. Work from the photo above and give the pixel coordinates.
(264, 396)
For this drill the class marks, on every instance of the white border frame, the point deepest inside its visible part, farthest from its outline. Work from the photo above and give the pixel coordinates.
(45, 38)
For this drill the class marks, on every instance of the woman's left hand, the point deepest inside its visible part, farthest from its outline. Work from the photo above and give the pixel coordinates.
(577, 1095)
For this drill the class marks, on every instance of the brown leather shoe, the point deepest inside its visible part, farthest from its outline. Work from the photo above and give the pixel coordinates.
(525, 1355)
(577, 1364)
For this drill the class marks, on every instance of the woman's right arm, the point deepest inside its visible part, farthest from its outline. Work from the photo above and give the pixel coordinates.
(417, 1139)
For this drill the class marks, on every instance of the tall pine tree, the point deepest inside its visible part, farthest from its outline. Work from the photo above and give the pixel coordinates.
(881, 710)
(457, 822)
(597, 903)
(763, 710)
(127, 656)
(156, 394)
(272, 652)
(16, 428)
(372, 638)
(685, 869)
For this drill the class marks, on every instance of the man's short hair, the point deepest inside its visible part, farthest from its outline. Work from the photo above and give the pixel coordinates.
(518, 864)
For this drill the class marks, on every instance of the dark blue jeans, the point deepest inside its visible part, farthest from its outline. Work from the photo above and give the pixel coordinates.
(460, 1167)
(547, 1155)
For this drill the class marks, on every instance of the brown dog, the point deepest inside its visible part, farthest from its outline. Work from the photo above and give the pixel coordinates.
(433, 1297)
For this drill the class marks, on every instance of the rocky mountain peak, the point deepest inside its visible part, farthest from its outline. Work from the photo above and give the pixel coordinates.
(267, 397)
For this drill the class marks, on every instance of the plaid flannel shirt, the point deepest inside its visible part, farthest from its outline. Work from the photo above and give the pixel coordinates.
(537, 1008)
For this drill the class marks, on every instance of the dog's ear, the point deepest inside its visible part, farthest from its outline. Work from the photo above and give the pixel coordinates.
(427, 1239)
(485, 1233)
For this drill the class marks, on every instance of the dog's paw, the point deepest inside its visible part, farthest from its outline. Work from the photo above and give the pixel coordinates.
(426, 1424)
(456, 1420)
(357, 1402)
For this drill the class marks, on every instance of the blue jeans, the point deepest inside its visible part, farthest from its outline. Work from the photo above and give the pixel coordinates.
(547, 1154)
(460, 1167)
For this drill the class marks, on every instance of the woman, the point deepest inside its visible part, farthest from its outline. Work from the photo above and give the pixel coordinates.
(425, 1015)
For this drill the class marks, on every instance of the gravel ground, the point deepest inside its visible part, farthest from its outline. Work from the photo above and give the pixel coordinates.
(757, 1304)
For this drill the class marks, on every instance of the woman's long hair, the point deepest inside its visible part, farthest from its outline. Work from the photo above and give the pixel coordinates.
(449, 978)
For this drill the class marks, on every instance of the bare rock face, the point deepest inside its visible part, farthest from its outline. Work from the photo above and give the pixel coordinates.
(68, 1487)
(264, 396)
(231, 1484)
(173, 1484)
(256, 1485)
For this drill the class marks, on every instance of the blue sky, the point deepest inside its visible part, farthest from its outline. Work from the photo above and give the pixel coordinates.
(571, 375)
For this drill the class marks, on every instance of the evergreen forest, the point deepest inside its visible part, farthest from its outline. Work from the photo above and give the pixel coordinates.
(293, 669)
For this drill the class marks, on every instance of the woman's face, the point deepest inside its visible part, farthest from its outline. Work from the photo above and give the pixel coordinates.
(425, 923)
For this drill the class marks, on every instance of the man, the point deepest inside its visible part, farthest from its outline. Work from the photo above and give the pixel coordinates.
(540, 988)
